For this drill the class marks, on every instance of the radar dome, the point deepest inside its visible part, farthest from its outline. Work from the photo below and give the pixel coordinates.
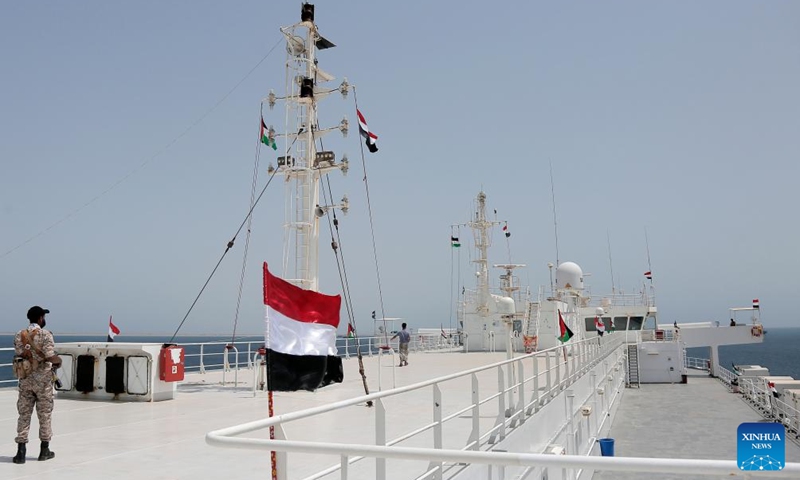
(505, 305)
(569, 276)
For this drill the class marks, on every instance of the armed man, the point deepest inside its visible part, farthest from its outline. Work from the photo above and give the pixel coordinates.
(35, 349)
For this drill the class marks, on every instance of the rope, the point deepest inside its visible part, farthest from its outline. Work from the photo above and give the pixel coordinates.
(145, 162)
(372, 229)
(249, 225)
(227, 248)
(336, 245)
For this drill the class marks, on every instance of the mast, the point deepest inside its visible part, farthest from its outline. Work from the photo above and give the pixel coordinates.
(480, 229)
(301, 162)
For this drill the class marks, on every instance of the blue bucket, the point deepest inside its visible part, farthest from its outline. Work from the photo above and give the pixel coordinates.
(606, 447)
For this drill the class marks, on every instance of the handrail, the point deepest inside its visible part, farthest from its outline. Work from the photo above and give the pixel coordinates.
(585, 355)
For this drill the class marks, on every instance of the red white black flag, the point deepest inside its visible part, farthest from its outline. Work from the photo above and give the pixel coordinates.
(370, 137)
(300, 336)
(113, 330)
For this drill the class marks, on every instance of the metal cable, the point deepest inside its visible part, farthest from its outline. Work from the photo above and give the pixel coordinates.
(372, 228)
(145, 162)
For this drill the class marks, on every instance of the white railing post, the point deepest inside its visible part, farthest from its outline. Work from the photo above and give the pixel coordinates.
(547, 367)
(475, 436)
(500, 423)
(521, 401)
(437, 429)
(202, 365)
(558, 371)
(380, 438)
(572, 448)
(344, 464)
(535, 396)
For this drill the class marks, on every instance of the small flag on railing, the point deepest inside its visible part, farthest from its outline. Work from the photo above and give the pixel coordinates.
(600, 326)
(444, 335)
(564, 332)
(773, 390)
(113, 330)
(351, 332)
(755, 303)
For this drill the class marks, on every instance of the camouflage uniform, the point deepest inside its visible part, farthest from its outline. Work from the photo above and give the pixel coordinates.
(37, 388)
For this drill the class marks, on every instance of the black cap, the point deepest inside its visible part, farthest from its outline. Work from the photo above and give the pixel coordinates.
(36, 312)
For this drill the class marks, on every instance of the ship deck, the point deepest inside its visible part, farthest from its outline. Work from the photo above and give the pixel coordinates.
(695, 420)
(166, 440)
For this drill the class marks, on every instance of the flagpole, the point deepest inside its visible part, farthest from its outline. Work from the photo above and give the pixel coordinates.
(273, 456)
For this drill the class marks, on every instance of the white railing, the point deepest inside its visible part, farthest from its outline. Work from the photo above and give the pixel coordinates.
(231, 357)
(754, 391)
(697, 363)
(5, 368)
(584, 356)
(514, 406)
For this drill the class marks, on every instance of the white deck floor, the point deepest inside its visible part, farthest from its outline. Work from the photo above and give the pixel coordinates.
(696, 420)
(166, 440)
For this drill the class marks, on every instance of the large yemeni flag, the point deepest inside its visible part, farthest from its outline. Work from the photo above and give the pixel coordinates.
(565, 332)
(113, 330)
(370, 137)
(600, 326)
(300, 336)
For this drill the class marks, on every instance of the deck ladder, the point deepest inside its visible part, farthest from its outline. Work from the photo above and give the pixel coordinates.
(633, 365)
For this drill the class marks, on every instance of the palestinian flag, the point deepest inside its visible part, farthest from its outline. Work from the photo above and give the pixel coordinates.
(454, 242)
(351, 332)
(370, 137)
(300, 336)
(563, 329)
(268, 136)
(600, 326)
(113, 330)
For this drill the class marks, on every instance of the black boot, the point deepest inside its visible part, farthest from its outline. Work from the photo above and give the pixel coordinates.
(45, 453)
(20, 456)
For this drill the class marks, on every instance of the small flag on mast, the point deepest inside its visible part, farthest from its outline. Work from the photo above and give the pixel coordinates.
(268, 136)
(755, 303)
(648, 274)
(370, 137)
(351, 332)
(454, 242)
(113, 330)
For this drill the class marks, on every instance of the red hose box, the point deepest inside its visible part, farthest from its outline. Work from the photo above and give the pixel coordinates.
(171, 363)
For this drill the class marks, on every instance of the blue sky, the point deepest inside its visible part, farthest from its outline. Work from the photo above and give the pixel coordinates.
(680, 118)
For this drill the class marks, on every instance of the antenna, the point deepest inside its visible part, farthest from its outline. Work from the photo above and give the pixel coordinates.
(647, 244)
(555, 223)
(610, 264)
(649, 266)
